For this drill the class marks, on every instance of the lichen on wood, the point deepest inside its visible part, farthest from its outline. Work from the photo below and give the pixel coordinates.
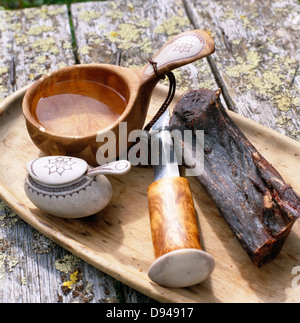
(73, 280)
(8, 217)
(29, 33)
(257, 58)
(129, 27)
(7, 260)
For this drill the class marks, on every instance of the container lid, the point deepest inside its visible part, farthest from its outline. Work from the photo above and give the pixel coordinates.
(56, 170)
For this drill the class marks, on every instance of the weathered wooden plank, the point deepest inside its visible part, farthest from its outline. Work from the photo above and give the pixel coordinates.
(134, 31)
(129, 32)
(137, 30)
(32, 268)
(244, 32)
(257, 57)
(35, 42)
(6, 65)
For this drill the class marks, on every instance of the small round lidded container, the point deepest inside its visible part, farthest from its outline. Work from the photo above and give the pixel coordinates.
(68, 187)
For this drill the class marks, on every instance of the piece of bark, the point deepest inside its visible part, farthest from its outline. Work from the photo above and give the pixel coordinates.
(250, 194)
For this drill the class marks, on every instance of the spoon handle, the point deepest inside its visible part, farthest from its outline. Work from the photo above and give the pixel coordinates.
(119, 167)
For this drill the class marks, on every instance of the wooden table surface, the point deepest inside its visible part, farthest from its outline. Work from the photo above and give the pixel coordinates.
(256, 64)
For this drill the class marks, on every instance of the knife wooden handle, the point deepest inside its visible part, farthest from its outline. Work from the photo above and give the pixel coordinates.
(180, 262)
(172, 216)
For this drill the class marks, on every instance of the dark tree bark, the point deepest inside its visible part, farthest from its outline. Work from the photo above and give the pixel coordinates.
(250, 194)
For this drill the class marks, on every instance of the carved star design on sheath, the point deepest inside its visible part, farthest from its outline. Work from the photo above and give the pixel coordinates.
(59, 165)
(183, 47)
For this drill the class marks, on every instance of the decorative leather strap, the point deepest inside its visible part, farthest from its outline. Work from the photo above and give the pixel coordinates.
(170, 96)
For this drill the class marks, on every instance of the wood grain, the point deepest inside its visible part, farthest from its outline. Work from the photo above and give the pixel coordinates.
(35, 41)
(257, 58)
(172, 216)
(29, 275)
(134, 31)
(118, 240)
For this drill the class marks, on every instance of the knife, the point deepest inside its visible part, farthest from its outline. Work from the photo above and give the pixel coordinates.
(179, 258)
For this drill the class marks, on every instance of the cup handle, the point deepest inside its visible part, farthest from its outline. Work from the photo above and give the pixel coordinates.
(119, 167)
(183, 49)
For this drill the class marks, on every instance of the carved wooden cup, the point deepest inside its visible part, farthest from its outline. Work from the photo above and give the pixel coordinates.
(67, 109)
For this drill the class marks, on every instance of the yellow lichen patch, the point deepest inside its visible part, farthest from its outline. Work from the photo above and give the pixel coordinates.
(125, 35)
(271, 83)
(247, 24)
(269, 78)
(285, 101)
(172, 26)
(3, 70)
(146, 46)
(128, 32)
(24, 280)
(229, 14)
(37, 69)
(84, 50)
(46, 45)
(67, 264)
(114, 34)
(8, 217)
(130, 6)
(73, 280)
(143, 24)
(282, 121)
(296, 134)
(244, 67)
(21, 39)
(40, 59)
(114, 5)
(13, 26)
(114, 14)
(7, 261)
(67, 46)
(34, 13)
(183, 80)
(55, 11)
(207, 84)
(3, 91)
(61, 65)
(87, 16)
(253, 58)
(34, 31)
(236, 41)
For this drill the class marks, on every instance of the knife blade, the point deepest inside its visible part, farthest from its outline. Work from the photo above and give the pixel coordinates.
(179, 258)
(164, 160)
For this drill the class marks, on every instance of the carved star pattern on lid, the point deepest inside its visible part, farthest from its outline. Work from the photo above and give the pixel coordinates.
(59, 165)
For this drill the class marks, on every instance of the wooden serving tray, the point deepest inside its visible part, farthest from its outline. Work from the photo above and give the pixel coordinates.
(118, 239)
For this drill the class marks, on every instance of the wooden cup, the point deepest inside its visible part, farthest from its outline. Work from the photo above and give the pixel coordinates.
(133, 86)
